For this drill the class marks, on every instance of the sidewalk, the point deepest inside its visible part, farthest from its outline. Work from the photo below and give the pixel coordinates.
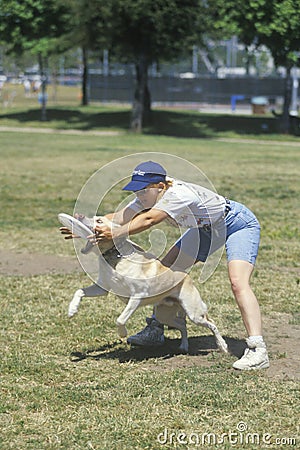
(59, 131)
(207, 108)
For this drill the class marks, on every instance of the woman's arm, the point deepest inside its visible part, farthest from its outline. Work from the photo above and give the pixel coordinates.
(138, 224)
(123, 216)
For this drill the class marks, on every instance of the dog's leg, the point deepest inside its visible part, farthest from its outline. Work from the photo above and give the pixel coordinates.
(184, 345)
(208, 323)
(92, 291)
(172, 315)
(75, 302)
(196, 310)
(132, 305)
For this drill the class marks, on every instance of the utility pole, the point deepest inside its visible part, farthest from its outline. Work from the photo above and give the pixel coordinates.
(195, 60)
(105, 63)
(294, 101)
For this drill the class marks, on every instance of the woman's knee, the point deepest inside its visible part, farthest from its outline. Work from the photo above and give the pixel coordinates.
(238, 284)
(239, 275)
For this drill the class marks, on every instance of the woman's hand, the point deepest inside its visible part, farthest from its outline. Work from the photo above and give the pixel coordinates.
(68, 233)
(102, 233)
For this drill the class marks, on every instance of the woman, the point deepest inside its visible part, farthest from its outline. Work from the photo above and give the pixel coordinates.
(211, 220)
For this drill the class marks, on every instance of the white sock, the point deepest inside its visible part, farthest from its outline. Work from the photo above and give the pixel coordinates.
(256, 341)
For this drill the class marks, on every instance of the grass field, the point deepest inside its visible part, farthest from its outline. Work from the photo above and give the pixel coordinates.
(73, 384)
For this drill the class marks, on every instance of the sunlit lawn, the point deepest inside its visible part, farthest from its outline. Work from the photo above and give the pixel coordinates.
(100, 399)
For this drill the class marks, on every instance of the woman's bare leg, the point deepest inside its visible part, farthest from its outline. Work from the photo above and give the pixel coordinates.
(239, 275)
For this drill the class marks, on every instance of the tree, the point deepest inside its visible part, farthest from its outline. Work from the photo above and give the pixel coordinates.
(147, 31)
(273, 23)
(35, 26)
(88, 29)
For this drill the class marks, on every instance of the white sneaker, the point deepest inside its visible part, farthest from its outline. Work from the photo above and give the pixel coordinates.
(255, 357)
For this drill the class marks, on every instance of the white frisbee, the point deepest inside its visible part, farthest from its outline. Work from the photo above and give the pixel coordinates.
(77, 227)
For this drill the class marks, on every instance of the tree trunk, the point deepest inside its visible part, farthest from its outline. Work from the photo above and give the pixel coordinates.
(285, 119)
(54, 85)
(42, 97)
(142, 102)
(84, 99)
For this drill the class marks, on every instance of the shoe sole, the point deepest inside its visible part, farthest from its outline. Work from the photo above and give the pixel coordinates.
(138, 344)
(264, 365)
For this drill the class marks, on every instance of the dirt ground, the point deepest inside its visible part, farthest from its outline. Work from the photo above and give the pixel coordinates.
(30, 264)
(281, 336)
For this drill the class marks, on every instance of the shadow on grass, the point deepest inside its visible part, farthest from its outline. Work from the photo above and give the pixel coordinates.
(78, 119)
(166, 123)
(193, 125)
(198, 346)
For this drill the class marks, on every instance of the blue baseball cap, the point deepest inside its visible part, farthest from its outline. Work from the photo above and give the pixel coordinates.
(144, 174)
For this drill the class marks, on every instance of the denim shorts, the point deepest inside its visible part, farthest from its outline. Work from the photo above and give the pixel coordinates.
(240, 232)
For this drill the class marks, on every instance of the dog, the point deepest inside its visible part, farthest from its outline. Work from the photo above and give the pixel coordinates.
(140, 279)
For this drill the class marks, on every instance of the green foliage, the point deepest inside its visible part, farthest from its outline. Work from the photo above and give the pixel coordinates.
(88, 24)
(159, 29)
(274, 24)
(221, 23)
(31, 25)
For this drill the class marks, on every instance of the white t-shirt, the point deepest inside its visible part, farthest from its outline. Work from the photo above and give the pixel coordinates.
(188, 205)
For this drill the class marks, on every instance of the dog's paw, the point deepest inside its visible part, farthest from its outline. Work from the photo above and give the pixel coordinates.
(74, 304)
(223, 347)
(72, 310)
(122, 331)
